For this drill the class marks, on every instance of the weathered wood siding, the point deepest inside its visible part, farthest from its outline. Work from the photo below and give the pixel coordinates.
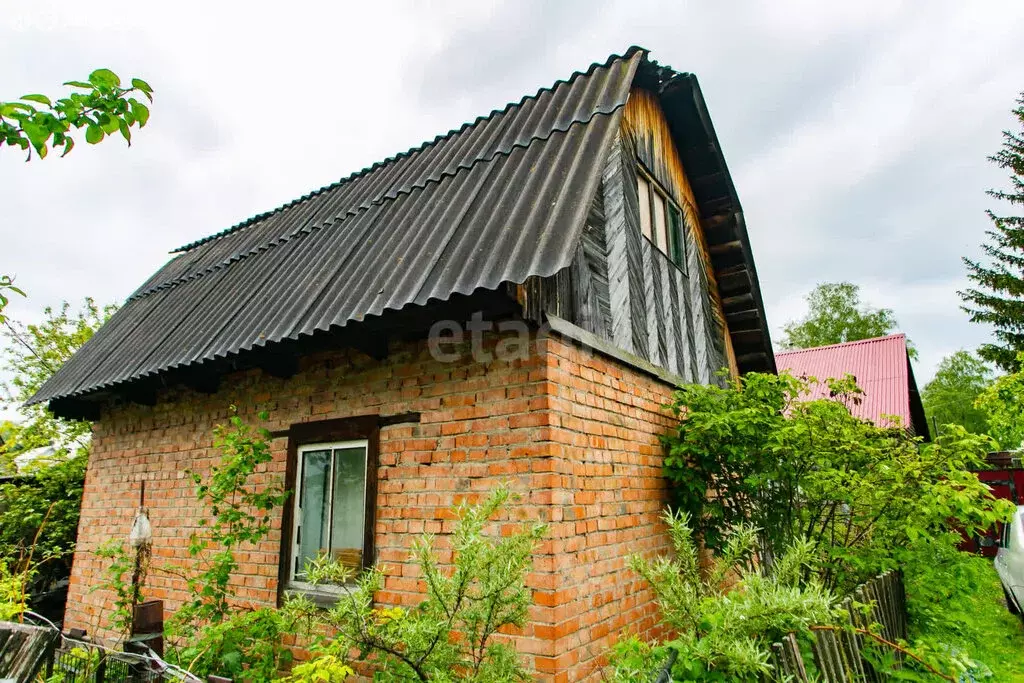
(645, 130)
(624, 289)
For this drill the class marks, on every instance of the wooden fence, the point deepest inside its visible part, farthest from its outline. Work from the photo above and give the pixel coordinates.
(25, 650)
(31, 653)
(837, 651)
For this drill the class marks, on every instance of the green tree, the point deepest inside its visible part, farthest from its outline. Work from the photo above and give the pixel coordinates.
(1004, 403)
(100, 105)
(836, 315)
(39, 516)
(33, 353)
(950, 397)
(997, 298)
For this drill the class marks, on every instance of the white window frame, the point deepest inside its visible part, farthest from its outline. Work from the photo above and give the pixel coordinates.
(297, 504)
(650, 228)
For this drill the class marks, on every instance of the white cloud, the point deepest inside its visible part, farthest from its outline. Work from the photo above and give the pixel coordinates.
(856, 132)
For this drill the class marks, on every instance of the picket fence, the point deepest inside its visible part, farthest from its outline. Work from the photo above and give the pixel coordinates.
(837, 652)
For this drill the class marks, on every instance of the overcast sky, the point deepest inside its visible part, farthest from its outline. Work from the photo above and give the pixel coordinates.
(857, 133)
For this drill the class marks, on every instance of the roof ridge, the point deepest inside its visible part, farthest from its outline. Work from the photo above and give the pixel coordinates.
(846, 343)
(628, 54)
(377, 201)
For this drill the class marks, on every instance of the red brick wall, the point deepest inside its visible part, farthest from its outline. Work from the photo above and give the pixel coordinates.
(575, 433)
(606, 419)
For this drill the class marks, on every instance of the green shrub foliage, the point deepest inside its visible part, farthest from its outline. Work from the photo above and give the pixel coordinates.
(50, 487)
(727, 613)
(12, 592)
(1004, 403)
(755, 453)
(212, 633)
(449, 636)
(53, 494)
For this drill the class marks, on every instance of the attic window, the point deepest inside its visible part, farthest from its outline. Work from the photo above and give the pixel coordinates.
(661, 220)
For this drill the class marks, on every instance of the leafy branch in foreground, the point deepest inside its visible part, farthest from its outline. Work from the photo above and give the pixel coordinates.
(7, 283)
(103, 108)
(449, 636)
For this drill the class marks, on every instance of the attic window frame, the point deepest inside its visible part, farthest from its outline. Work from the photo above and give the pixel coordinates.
(675, 236)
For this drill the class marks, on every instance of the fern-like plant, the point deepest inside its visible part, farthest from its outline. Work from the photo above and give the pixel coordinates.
(449, 636)
(728, 611)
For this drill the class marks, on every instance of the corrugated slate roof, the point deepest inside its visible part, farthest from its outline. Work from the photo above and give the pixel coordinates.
(881, 367)
(499, 200)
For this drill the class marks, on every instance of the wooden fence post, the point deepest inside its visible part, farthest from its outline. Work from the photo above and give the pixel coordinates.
(838, 651)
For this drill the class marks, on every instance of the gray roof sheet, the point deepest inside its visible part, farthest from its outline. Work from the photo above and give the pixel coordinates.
(499, 200)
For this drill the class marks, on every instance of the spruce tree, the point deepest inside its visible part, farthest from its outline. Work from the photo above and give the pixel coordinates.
(998, 295)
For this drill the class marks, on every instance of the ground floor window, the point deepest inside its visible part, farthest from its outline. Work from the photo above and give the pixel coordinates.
(330, 505)
(332, 473)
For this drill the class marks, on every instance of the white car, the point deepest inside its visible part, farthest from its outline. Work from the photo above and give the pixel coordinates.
(1009, 561)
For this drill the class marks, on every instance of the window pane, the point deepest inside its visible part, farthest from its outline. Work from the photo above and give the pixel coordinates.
(349, 506)
(660, 227)
(677, 237)
(645, 206)
(314, 510)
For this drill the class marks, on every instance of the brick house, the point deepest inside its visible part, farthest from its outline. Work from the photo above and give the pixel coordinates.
(512, 301)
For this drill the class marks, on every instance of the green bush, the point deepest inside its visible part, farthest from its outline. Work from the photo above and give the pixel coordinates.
(12, 593)
(859, 493)
(54, 494)
(246, 645)
(449, 636)
(727, 613)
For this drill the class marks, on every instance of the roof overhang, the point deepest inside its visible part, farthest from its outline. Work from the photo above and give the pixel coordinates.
(722, 221)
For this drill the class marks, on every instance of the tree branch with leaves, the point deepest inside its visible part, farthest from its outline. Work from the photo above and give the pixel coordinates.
(100, 105)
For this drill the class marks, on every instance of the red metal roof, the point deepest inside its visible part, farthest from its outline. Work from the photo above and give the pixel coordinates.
(881, 367)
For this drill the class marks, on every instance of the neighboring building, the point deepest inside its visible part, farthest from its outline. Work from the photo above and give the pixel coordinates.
(597, 217)
(882, 369)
